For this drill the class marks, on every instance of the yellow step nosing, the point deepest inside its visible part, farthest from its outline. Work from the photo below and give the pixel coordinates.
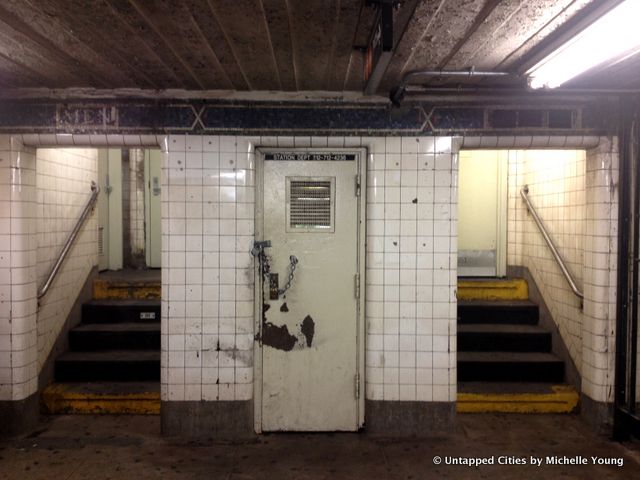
(514, 289)
(62, 391)
(100, 408)
(563, 400)
(57, 399)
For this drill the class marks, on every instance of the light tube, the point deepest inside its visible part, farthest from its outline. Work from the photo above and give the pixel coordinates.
(614, 36)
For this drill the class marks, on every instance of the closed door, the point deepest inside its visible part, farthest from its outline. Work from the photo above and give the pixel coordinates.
(103, 210)
(482, 213)
(110, 209)
(310, 314)
(152, 224)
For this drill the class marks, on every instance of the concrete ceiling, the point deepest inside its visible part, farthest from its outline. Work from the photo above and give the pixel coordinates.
(280, 45)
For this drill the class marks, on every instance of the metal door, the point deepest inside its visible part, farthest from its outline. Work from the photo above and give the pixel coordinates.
(103, 210)
(152, 224)
(310, 316)
(110, 209)
(482, 213)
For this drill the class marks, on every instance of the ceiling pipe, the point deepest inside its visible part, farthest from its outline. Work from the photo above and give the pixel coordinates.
(398, 92)
(507, 94)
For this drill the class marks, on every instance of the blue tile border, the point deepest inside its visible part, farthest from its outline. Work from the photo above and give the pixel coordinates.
(210, 117)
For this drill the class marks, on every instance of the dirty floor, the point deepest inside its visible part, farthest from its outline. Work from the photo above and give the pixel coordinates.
(131, 447)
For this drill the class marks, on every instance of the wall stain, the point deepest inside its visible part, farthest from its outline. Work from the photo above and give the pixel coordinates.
(308, 329)
(284, 308)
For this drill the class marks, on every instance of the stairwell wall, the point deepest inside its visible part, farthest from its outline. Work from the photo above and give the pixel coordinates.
(577, 197)
(556, 180)
(63, 180)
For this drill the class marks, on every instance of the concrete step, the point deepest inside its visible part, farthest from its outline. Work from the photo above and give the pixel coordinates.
(493, 289)
(108, 365)
(509, 367)
(121, 311)
(120, 287)
(101, 398)
(490, 337)
(521, 312)
(516, 397)
(115, 336)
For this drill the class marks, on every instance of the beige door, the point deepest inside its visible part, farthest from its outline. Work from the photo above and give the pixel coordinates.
(152, 206)
(482, 213)
(110, 209)
(103, 210)
(309, 334)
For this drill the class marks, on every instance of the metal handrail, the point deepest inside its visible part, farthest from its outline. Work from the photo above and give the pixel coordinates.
(95, 190)
(554, 250)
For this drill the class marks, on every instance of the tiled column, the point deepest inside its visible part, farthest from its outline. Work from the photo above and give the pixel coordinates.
(411, 280)
(207, 285)
(18, 304)
(600, 271)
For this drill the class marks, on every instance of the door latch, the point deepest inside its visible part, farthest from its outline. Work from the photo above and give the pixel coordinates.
(258, 247)
(274, 287)
(265, 269)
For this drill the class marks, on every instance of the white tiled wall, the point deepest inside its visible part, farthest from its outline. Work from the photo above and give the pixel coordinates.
(411, 270)
(577, 198)
(556, 180)
(18, 335)
(63, 187)
(208, 212)
(207, 275)
(600, 271)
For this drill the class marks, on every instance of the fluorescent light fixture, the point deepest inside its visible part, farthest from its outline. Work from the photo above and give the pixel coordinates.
(614, 36)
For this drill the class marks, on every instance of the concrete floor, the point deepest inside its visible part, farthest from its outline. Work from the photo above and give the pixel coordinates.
(130, 447)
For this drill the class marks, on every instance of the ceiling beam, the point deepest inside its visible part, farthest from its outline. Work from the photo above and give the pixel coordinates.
(162, 27)
(278, 21)
(154, 44)
(419, 24)
(90, 31)
(177, 22)
(244, 25)
(349, 16)
(311, 24)
(50, 49)
(20, 73)
(216, 41)
(354, 79)
(23, 52)
(60, 24)
(487, 10)
(401, 19)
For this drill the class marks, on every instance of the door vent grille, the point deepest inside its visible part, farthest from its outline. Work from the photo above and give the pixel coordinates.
(310, 206)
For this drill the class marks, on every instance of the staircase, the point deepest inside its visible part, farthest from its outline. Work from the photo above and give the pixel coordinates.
(505, 362)
(113, 362)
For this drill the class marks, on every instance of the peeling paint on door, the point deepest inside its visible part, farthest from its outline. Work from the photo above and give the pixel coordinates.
(278, 337)
(308, 329)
